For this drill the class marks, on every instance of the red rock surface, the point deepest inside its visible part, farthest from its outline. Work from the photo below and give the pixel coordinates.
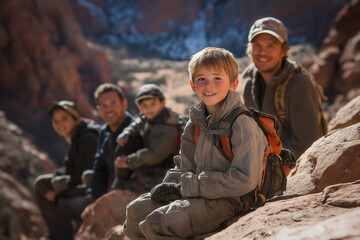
(20, 163)
(45, 57)
(337, 68)
(347, 115)
(105, 213)
(325, 215)
(334, 158)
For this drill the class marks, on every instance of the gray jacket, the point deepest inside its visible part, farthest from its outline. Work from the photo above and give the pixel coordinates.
(158, 137)
(301, 104)
(204, 171)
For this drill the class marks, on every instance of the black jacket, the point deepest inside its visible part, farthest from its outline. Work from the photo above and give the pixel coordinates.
(104, 158)
(79, 158)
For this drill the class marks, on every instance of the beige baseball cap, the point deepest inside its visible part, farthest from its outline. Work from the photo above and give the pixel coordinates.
(67, 106)
(270, 26)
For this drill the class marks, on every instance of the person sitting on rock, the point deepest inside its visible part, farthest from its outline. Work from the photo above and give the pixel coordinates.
(157, 134)
(204, 188)
(278, 86)
(112, 107)
(66, 182)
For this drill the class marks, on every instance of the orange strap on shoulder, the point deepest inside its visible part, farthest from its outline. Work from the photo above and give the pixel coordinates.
(196, 133)
(225, 143)
(226, 147)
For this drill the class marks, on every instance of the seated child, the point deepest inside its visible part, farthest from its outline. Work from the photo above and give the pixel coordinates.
(204, 188)
(156, 134)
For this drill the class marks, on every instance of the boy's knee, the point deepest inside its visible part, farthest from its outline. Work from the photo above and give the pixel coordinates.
(152, 224)
(131, 208)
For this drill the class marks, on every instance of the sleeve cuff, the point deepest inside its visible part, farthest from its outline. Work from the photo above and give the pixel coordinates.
(190, 185)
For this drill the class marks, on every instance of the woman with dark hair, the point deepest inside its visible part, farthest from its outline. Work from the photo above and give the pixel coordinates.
(68, 180)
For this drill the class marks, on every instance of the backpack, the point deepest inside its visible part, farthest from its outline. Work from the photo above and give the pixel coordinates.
(179, 128)
(275, 168)
(279, 94)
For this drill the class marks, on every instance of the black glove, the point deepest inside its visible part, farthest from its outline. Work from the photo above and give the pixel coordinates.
(288, 158)
(165, 193)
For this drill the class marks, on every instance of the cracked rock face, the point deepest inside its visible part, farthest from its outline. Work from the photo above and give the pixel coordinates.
(331, 214)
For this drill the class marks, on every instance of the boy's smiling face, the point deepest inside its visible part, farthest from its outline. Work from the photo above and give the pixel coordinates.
(151, 107)
(211, 86)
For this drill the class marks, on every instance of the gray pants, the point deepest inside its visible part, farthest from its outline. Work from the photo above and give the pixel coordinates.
(47, 208)
(180, 219)
(58, 216)
(67, 210)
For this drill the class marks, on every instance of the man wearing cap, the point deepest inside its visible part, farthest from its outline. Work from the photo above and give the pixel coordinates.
(67, 181)
(158, 129)
(270, 68)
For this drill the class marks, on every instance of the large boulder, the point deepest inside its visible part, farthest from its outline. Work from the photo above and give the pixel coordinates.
(105, 213)
(332, 159)
(20, 163)
(346, 115)
(19, 216)
(332, 214)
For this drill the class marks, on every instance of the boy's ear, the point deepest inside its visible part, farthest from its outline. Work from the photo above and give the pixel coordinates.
(192, 85)
(163, 102)
(125, 104)
(234, 85)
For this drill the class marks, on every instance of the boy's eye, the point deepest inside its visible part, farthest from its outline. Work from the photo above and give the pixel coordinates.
(200, 79)
(217, 78)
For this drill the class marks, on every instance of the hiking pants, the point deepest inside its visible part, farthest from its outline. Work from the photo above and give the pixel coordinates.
(180, 219)
(68, 210)
(42, 185)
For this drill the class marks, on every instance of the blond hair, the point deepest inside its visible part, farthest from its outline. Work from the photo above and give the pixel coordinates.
(218, 58)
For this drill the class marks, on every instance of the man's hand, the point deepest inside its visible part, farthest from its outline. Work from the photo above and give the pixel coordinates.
(122, 139)
(165, 193)
(120, 162)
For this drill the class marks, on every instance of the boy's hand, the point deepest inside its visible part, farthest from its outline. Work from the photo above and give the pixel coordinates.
(120, 162)
(50, 196)
(288, 158)
(165, 193)
(122, 139)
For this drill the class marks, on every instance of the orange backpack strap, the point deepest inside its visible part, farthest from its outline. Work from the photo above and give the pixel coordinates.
(223, 132)
(196, 133)
(226, 147)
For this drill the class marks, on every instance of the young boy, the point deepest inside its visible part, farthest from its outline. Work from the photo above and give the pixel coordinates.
(154, 136)
(204, 188)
